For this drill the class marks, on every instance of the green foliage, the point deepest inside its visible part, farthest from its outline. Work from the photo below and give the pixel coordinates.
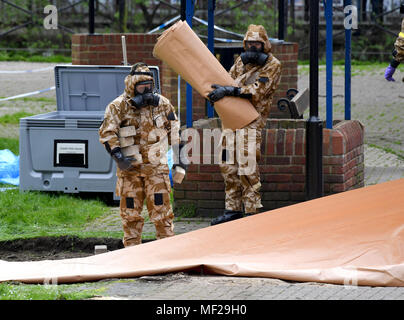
(388, 150)
(185, 211)
(26, 56)
(39, 214)
(13, 291)
(372, 48)
(10, 143)
(14, 118)
(257, 12)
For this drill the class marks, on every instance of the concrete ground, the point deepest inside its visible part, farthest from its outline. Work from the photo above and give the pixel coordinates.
(375, 102)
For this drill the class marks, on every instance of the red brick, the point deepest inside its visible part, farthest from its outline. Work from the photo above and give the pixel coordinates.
(278, 160)
(211, 204)
(326, 169)
(270, 141)
(289, 143)
(297, 187)
(218, 195)
(283, 186)
(348, 175)
(333, 159)
(337, 141)
(192, 168)
(326, 142)
(300, 142)
(217, 177)
(279, 177)
(298, 160)
(299, 177)
(211, 168)
(268, 169)
(197, 195)
(178, 194)
(298, 196)
(280, 142)
(334, 178)
(75, 39)
(212, 186)
(186, 185)
(338, 187)
(291, 169)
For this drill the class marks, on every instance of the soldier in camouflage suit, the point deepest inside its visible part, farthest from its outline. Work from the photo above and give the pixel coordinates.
(257, 74)
(398, 55)
(136, 132)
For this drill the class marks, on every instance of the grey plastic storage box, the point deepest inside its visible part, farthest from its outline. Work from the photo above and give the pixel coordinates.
(60, 151)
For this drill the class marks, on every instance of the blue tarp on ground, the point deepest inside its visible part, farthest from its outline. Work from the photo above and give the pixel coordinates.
(170, 163)
(9, 167)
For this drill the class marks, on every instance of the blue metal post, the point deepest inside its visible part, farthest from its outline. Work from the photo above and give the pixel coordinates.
(329, 52)
(211, 41)
(189, 14)
(348, 36)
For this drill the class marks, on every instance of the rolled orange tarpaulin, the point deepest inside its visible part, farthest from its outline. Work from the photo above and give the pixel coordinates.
(354, 237)
(187, 55)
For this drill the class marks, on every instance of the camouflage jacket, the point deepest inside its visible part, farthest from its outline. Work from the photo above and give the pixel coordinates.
(399, 45)
(142, 134)
(259, 81)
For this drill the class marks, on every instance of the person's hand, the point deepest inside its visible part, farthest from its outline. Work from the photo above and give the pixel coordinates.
(124, 163)
(177, 153)
(222, 91)
(388, 74)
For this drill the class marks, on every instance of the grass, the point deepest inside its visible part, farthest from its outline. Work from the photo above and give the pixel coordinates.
(389, 150)
(33, 214)
(13, 291)
(57, 58)
(10, 143)
(14, 118)
(185, 211)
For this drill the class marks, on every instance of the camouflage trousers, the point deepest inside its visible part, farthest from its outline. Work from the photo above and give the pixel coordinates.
(133, 190)
(242, 186)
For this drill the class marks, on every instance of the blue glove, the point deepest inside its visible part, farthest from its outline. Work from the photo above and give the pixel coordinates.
(388, 74)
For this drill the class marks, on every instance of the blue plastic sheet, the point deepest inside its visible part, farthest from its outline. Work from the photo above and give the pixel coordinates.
(170, 163)
(9, 167)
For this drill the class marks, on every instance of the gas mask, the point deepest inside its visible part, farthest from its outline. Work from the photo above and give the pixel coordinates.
(144, 95)
(254, 56)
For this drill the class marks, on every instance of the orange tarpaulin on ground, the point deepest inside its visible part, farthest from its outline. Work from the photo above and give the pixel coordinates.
(355, 237)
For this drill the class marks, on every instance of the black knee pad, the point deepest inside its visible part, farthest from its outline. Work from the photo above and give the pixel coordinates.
(158, 199)
(129, 203)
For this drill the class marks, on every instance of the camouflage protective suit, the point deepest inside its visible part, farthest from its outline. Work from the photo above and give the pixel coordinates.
(398, 53)
(258, 82)
(142, 134)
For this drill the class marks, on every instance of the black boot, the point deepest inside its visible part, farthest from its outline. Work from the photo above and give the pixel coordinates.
(228, 215)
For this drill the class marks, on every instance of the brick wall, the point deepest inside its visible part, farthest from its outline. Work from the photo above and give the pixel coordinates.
(282, 167)
(106, 49)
